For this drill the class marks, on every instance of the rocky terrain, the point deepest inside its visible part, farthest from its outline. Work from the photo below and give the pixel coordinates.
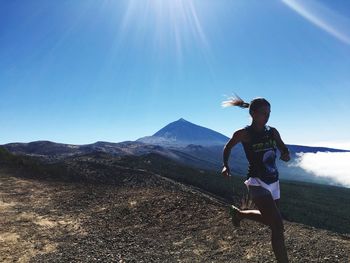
(141, 218)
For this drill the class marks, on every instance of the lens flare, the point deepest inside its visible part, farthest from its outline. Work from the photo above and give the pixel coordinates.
(323, 17)
(175, 24)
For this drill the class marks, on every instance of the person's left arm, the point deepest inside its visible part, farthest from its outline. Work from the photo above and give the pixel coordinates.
(285, 156)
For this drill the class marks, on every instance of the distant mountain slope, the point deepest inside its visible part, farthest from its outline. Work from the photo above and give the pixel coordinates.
(182, 133)
(311, 149)
(52, 150)
(181, 141)
(42, 148)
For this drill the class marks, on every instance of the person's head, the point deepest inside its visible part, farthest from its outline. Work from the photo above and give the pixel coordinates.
(259, 108)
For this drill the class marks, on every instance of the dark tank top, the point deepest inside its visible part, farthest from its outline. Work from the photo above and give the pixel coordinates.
(261, 154)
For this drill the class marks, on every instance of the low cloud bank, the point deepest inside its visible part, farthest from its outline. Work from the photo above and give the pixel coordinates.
(338, 144)
(332, 165)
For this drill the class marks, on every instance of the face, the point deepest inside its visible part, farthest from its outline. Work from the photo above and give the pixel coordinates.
(261, 115)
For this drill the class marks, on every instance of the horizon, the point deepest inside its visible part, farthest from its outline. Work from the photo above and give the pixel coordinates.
(85, 71)
(68, 143)
(330, 165)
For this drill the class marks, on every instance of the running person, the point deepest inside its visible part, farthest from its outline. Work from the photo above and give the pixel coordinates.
(260, 142)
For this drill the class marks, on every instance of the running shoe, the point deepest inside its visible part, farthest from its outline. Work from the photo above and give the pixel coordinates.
(234, 213)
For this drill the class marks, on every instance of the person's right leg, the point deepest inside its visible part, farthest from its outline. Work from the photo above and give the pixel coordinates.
(252, 214)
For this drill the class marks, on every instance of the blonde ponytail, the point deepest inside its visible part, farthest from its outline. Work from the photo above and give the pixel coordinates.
(235, 101)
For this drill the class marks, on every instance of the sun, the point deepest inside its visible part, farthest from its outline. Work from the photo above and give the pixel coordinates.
(175, 23)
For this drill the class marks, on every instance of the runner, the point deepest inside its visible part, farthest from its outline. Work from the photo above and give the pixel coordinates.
(260, 142)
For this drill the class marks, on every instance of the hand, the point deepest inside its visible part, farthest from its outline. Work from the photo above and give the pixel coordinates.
(285, 157)
(225, 171)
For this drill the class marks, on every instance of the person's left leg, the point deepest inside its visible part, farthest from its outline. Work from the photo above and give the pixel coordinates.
(267, 214)
(271, 215)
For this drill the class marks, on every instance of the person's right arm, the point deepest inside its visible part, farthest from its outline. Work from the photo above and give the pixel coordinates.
(236, 138)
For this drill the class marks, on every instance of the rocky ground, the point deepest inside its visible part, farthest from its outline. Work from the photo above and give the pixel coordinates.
(143, 219)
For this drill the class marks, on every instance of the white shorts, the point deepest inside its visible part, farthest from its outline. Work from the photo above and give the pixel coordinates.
(273, 188)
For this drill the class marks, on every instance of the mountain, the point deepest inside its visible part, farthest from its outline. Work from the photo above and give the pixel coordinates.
(182, 133)
(182, 141)
(203, 148)
(42, 148)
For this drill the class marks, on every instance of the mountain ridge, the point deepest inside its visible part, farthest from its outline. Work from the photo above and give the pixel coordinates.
(182, 133)
(169, 143)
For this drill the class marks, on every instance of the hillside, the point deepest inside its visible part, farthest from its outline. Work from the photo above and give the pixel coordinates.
(316, 205)
(137, 217)
(145, 219)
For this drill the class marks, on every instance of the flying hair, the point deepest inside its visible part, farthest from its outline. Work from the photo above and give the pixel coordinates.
(253, 105)
(235, 101)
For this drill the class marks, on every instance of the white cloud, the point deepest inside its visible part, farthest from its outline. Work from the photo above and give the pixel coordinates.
(338, 144)
(333, 165)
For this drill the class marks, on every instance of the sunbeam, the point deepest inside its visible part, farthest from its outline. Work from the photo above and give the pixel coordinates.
(323, 17)
(175, 24)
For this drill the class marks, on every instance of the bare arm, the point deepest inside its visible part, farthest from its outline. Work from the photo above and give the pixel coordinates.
(236, 138)
(281, 146)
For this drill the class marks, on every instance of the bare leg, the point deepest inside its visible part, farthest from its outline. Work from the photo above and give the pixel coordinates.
(254, 215)
(269, 215)
(272, 217)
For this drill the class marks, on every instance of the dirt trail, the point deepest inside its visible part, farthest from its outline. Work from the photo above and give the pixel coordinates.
(156, 221)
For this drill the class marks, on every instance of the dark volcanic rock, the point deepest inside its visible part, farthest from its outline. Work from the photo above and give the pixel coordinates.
(145, 218)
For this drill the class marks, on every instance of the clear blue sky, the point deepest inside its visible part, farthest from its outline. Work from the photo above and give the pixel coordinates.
(83, 71)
